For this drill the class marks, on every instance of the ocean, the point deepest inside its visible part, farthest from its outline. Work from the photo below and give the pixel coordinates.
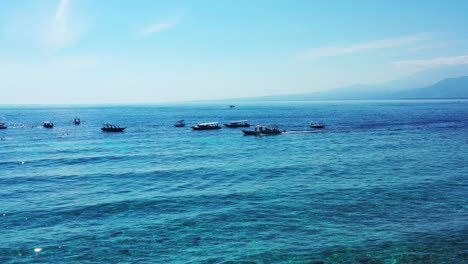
(384, 182)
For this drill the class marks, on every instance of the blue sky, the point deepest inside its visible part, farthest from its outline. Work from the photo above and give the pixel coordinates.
(86, 51)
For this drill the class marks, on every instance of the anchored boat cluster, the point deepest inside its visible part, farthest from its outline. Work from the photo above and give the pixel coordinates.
(259, 130)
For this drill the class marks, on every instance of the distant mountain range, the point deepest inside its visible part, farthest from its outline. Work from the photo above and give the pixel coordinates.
(443, 83)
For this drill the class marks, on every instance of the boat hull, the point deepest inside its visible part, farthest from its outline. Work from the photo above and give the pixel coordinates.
(206, 128)
(119, 129)
(257, 133)
(235, 126)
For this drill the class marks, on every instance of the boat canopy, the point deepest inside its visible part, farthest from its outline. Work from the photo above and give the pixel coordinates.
(268, 126)
(209, 124)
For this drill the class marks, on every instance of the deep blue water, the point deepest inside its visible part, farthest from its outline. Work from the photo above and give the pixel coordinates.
(384, 182)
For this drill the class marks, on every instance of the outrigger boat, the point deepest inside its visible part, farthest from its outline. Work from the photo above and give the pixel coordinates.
(240, 123)
(316, 125)
(207, 126)
(48, 124)
(77, 121)
(3, 126)
(112, 128)
(180, 123)
(263, 130)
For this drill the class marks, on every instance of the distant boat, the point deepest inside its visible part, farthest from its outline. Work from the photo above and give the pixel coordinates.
(240, 123)
(180, 123)
(263, 130)
(207, 126)
(112, 128)
(316, 125)
(3, 126)
(48, 124)
(77, 121)
(232, 106)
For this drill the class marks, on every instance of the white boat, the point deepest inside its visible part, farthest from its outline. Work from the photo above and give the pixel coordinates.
(239, 123)
(316, 125)
(263, 130)
(180, 123)
(207, 126)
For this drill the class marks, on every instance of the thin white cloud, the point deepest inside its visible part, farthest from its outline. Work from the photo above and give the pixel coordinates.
(439, 45)
(160, 26)
(333, 51)
(60, 34)
(423, 64)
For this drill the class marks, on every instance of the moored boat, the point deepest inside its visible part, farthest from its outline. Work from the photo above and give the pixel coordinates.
(240, 123)
(3, 125)
(77, 121)
(48, 124)
(180, 123)
(316, 125)
(263, 130)
(112, 128)
(207, 126)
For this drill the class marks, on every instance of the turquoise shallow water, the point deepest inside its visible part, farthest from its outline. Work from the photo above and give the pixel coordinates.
(385, 182)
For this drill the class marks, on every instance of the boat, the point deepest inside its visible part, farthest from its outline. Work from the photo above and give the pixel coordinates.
(263, 130)
(180, 123)
(48, 124)
(77, 121)
(3, 126)
(316, 125)
(232, 106)
(207, 126)
(112, 128)
(240, 123)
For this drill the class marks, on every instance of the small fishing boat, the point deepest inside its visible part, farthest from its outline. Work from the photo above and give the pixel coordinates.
(240, 123)
(77, 121)
(316, 125)
(48, 124)
(112, 128)
(263, 130)
(207, 126)
(180, 123)
(232, 106)
(3, 126)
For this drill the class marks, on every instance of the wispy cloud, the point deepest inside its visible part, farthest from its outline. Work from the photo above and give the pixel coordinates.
(423, 64)
(439, 45)
(59, 30)
(160, 26)
(333, 51)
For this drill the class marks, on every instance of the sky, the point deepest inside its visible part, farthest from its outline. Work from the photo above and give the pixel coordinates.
(87, 51)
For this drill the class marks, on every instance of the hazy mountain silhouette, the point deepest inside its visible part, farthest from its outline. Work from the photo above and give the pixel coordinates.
(435, 83)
